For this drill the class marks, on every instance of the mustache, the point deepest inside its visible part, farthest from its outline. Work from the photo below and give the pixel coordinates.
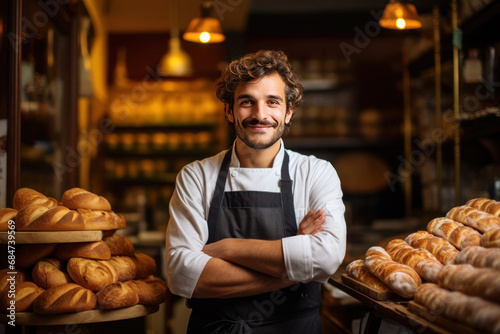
(257, 122)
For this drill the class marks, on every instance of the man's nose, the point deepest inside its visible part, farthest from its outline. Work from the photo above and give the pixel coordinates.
(260, 111)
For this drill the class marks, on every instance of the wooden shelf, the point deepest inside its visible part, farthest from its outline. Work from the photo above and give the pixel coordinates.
(48, 237)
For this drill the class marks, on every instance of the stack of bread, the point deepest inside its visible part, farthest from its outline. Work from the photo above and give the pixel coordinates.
(55, 278)
(452, 269)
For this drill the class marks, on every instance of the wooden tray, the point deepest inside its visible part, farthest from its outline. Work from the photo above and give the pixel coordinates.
(369, 291)
(84, 317)
(47, 237)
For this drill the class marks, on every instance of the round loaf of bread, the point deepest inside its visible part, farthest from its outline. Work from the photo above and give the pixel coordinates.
(97, 250)
(24, 197)
(6, 214)
(151, 290)
(48, 273)
(78, 198)
(117, 295)
(92, 274)
(29, 254)
(119, 245)
(145, 264)
(65, 298)
(40, 218)
(26, 293)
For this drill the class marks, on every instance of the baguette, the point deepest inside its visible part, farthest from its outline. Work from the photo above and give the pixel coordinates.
(357, 270)
(8, 276)
(50, 272)
(456, 233)
(476, 312)
(77, 198)
(151, 290)
(117, 295)
(145, 265)
(480, 257)
(421, 260)
(125, 266)
(442, 227)
(477, 219)
(101, 220)
(481, 282)
(25, 295)
(97, 250)
(439, 247)
(29, 254)
(491, 238)
(94, 275)
(24, 197)
(65, 298)
(119, 245)
(40, 218)
(400, 278)
(485, 204)
(6, 214)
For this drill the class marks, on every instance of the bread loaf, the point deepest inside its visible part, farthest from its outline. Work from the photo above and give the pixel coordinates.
(6, 214)
(485, 204)
(151, 290)
(97, 250)
(456, 233)
(50, 272)
(10, 277)
(421, 260)
(94, 275)
(77, 198)
(119, 245)
(482, 282)
(101, 220)
(65, 298)
(24, 197)
(357, 270)
(25, 295)
(145, 265)
(400, 278)
(437, 246)
(479, 220)
(475, 312)
(442, 227)
(117, 295)
(29, 254)
(491, 238)
(480, 257)
(40, 218)
(125, 267)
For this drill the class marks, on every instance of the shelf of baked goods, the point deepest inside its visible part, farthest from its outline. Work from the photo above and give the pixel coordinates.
(445, 278)
(63, 263)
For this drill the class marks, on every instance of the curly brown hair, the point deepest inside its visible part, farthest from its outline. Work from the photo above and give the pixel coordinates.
(257, 65)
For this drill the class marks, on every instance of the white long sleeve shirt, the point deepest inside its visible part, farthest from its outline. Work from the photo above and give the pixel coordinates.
(315, 186)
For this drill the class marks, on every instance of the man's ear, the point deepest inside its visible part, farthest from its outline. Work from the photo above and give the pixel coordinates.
(229, 112)
(289, 114)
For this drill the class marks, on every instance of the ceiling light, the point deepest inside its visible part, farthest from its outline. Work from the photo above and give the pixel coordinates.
(204, 29)
(400, 15)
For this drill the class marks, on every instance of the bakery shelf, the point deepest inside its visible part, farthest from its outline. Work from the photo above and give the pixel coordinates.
(84, 317)
(46, 237)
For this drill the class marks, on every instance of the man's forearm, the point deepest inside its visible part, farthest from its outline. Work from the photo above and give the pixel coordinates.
(222, 279)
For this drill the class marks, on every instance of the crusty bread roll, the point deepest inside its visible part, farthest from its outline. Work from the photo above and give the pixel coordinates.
(442, 227)
(480, 257)
(482, 282)
(25, 295)
(151, 290)
(29, 254)
(117, 295)
(101, 220)
(400, 278)
(24, 197)
(50, 272)
(356, 269)
(477, 219)
(6, 214)
(145, 265)
(491, 238)
(97, 250)
(456, 233)
(77, 198)
(65, 298)
(92, 274)
(40, 218)
(119, 245)
(125, 266)
(5, 276)
(421, 260)
(485, 204)
(476, 312)
(437, 246)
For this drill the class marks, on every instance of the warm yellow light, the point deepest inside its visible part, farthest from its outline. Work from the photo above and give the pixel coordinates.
(400, 23)
(399, 14)
(204, 37)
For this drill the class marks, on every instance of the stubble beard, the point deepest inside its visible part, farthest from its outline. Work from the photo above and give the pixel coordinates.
(239, 127)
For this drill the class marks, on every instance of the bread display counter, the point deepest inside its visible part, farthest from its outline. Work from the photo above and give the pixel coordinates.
(442, 280)
(63, 263)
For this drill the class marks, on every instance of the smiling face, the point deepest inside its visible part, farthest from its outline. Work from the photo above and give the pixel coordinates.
(260, 112)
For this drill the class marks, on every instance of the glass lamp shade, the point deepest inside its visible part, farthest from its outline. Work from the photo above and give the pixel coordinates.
(175, 62)
(400, 16)
(204, 30)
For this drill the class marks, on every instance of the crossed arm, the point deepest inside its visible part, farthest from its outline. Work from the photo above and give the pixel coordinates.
(244, 267)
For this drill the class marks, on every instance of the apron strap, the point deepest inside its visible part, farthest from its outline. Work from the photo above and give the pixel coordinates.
(287, 198)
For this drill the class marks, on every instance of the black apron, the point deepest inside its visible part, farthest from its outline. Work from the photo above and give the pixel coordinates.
(256, 215)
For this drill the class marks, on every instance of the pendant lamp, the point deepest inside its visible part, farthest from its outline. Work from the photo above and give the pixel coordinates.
(400, 15)
(205, 29)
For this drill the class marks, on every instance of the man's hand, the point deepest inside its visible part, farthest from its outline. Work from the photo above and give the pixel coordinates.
(312, 223)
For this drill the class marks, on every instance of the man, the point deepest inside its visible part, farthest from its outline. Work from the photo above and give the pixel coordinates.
(255, 229)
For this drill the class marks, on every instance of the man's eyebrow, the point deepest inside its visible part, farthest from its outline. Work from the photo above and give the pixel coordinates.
(248, 96)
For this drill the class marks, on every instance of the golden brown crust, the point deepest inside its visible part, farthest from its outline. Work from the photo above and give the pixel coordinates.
(97, 250)
(102, 220)
(126, 268)
(6, 214)
(6, 274)
(48, 273)
(92, 274)
(24, 197)
(39, 218)
(145, 265)
(464, 236)
(65, 298)
(491, 238)
(25, 295)
(356, 269)
(119, 245)
(29, 254)
(437, 246)
(442, 227)
(151, 290)
(477, 219)
(78, 198)
(480, 257)
(485, 204)
(117, 295)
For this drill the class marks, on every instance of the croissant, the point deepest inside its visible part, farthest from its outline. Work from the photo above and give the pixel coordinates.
(479, 220)
(24, 197)
(40, 218)
(77, 198)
